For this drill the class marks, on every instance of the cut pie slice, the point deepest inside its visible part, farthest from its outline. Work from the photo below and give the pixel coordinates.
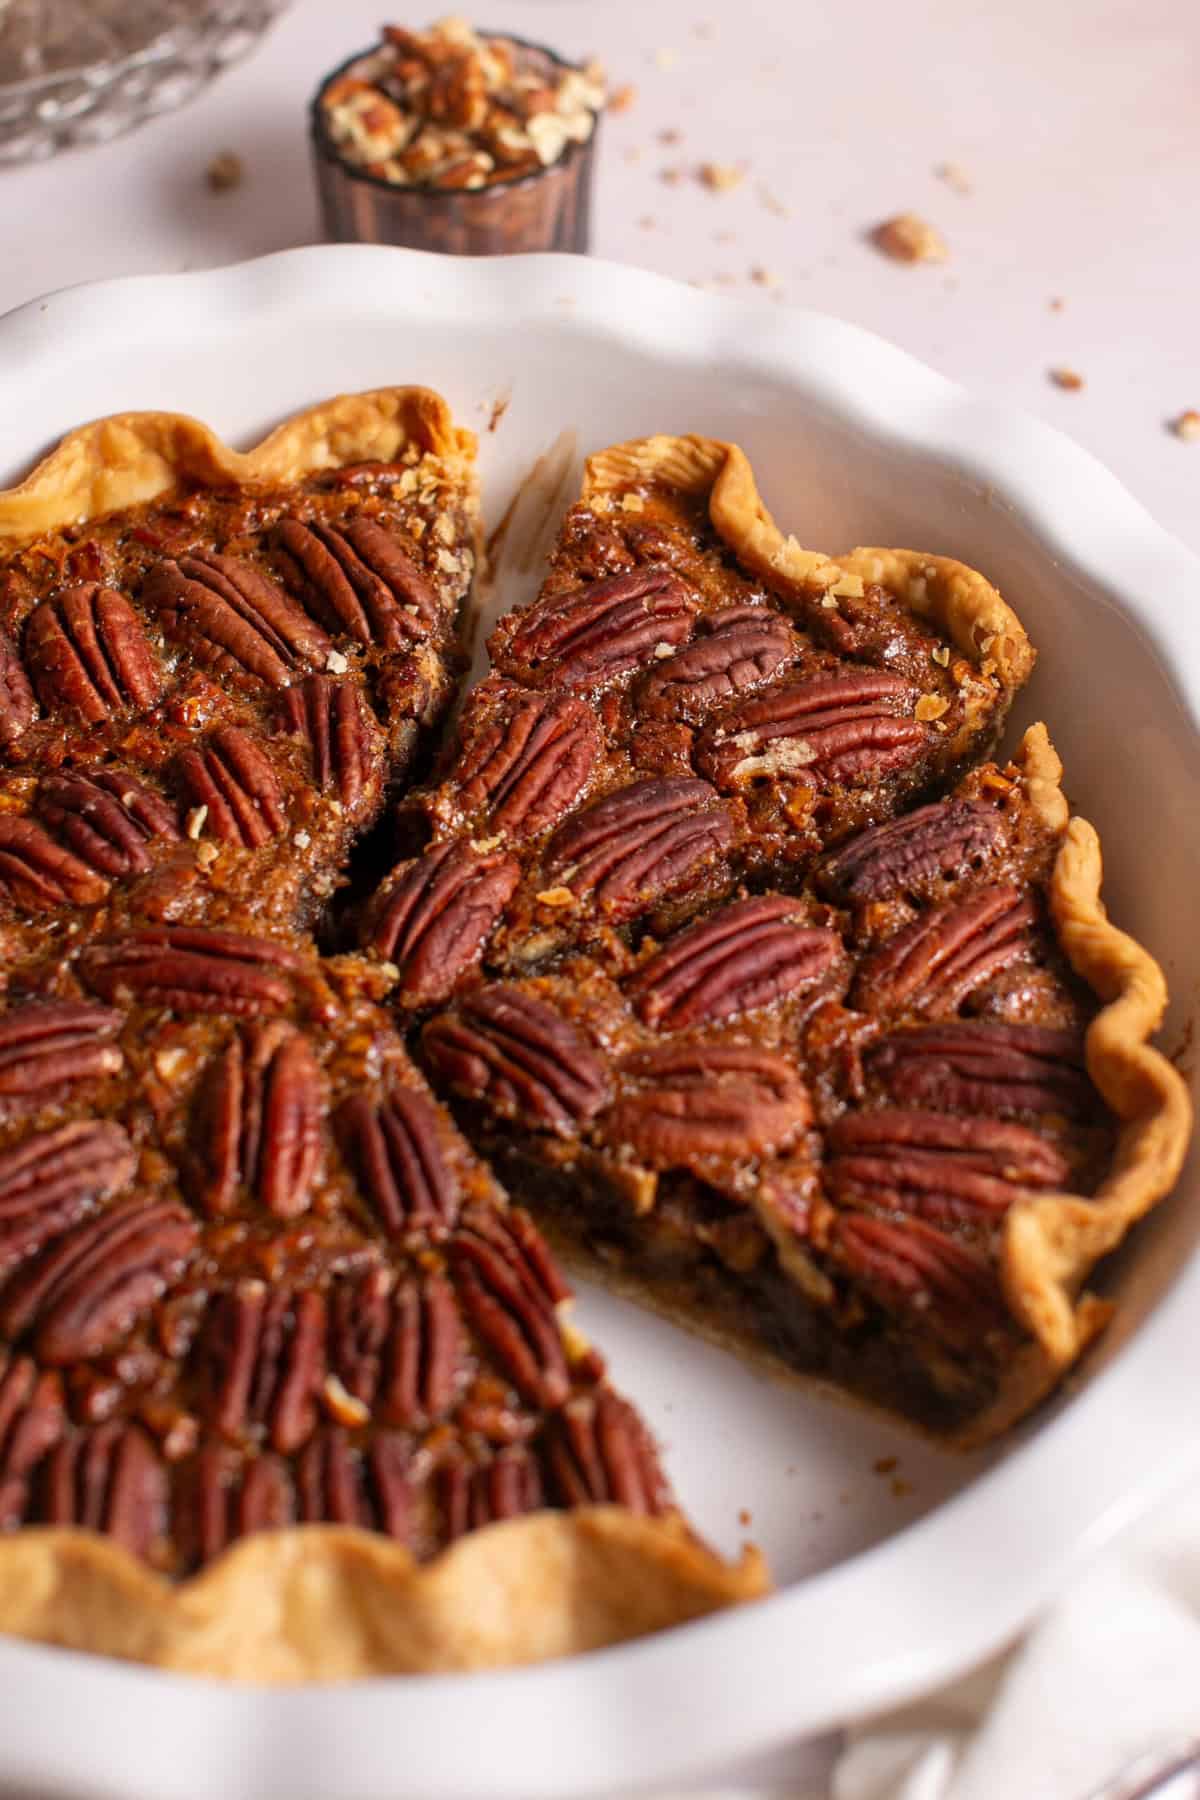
(274, 1346)
(692, 701)
(879, 1129)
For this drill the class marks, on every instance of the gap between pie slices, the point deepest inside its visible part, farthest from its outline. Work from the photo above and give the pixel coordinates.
(252, 1273)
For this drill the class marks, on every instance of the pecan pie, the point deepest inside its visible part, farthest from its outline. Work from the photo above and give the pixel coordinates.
(272, 1338)
(788, 1011)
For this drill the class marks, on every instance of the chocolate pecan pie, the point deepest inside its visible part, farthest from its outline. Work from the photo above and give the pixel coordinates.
(787, 1010)
(272, 1337)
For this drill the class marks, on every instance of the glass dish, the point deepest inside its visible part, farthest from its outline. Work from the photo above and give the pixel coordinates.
(76, 72)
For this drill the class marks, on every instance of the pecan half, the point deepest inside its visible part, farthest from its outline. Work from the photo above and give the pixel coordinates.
(682, 1105)
(18, 708)
(504, 1488)
(934, 963)
(520, 1057)
(38, 873)
(395, 1150)
(31, 1423)
(108, 1479)
(337, 1486)
(433, 915)
(947, 1169)
(595, 633)
(504, 1297)
(233, 619)
(230, 1496)
(233, 777)
(107, 818)
(993, 1069)
(914, 855)
(360, 1321)
(257, 1124)
(192, 969)
(599, 1453)
(49, 1045)
(85, 1293)
(48, 1181)
(737, 648)
(529, 768)
(426, 1364)
(89, 654)
(260, 1363)
(843, 728)
(640, 843)
(919, 1273)
(357, 580)
(748, 954)
(336, 724)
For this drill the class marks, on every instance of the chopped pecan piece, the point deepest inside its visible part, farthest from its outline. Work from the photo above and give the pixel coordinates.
(358, 581)
(89, 654)
(257, 1123)
(504, 1297)
(85, 1293)
(683, 1105)
(193, 969)
(530, 767)
(48, 1045)
(18, 708)
(395, 1150)
(747, 955)
(641, 843)
(234, 780)
(233, 619)
(107, 818)
(737, 648)
(261, 1363)
(937, 961)
(915, 855)
(919, 1273)
(230, 1496)
(426, 1363)
(433, 915)
(31, 1423)
(1000, 1071)
(108, 1479)
(50, 1180)
(520, 1057)
(336, 723)
(598, 1453)
(831, 729)
(594, 633)
(947, 1169)
(504, 1488)
(38, 873)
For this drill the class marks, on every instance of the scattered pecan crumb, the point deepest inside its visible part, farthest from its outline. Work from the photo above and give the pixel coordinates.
(648, 222)
(954, 177)
(225, 171)
(719, 177)
(1187, 425)
(666, 58)
(500, 406)
(622, 98)
(670, 136)
(1056, 303)
(764, 277)
(672, 177)
(772, 203)
(909, 238)
(1070, 379)
(745, 1516)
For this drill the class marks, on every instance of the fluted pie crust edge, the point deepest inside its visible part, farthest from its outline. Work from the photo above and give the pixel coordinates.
(330, 1602)
(134, 457)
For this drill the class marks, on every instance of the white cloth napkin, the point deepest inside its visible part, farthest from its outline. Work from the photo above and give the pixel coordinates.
(1110, 1672)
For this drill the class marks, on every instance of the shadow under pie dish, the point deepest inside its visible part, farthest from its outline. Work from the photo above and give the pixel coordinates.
(278, 1286)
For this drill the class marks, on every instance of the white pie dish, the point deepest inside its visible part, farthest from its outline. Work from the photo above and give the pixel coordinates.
(852, 441)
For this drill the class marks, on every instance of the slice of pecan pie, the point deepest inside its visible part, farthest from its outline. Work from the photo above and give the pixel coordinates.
(261, 1308)
(780, 1036)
